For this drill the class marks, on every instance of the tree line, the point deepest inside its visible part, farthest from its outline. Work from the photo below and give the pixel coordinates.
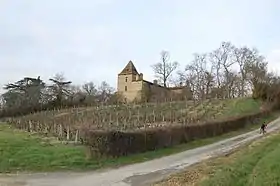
(33, 94)
(226, 72)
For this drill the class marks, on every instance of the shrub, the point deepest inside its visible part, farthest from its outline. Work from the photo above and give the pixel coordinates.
(117, 143)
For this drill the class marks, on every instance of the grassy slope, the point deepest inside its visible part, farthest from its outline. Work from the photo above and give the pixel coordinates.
(257, 164)
(21, 151)
(241, 106)
(252, 166)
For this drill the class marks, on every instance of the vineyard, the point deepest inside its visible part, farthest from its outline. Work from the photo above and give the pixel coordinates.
(66, 124)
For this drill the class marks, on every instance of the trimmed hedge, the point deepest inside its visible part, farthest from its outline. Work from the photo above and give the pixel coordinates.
(116, 143)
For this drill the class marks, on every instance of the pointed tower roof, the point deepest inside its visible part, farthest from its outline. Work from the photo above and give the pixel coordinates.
(129, 69)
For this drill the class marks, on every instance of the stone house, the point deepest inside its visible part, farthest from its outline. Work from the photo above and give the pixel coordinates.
(133, 87)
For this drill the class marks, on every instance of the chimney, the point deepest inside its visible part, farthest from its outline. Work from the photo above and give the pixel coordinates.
(140, 76)
(155, 82)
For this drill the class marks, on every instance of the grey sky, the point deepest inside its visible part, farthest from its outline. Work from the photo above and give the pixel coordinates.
(89, 39)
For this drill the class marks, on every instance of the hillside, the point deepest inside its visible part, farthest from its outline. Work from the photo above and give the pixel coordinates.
(23, 150)
(256, 164)
(66, 123)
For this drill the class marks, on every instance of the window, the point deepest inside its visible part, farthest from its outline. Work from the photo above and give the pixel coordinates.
(125, 79)
(125, 88)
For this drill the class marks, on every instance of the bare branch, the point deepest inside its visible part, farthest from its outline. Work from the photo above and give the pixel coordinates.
(164, 68)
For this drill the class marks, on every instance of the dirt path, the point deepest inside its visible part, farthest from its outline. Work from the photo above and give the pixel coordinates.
(137, 174)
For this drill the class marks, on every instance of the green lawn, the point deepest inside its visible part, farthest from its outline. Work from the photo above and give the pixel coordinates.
(255, 166)
(21, 151)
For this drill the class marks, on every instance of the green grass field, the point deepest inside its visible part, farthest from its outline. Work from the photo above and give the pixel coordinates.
(257, 166)
(22, 151)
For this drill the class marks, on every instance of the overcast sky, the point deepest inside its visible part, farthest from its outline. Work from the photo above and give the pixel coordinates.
(92, 40)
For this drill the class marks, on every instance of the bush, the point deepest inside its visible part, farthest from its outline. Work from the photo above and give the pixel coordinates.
(116, 143)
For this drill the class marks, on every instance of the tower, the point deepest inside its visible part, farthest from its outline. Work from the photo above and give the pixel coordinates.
(129, 82)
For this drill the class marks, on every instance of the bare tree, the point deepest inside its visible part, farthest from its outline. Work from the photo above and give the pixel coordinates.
(76, 96)
(222, 59)
(216, 60)
(91, 92)
(105, 91)
(164, 68)
(257, 70)
(90, 88)
(243, 56)
(199, 76)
